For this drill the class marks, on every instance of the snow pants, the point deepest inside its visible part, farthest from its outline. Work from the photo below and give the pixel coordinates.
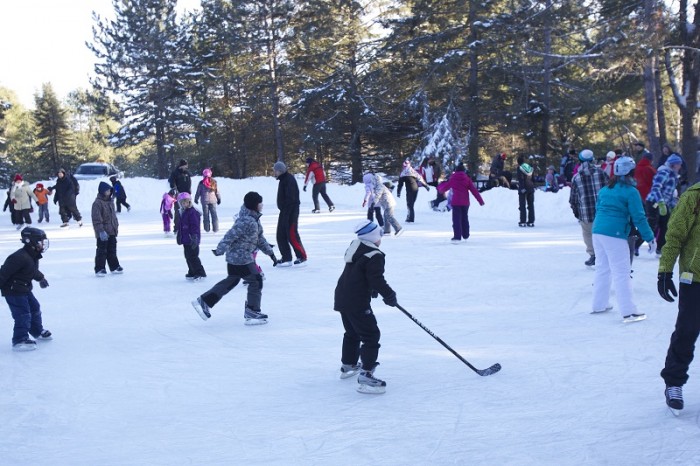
(26, 313)
(249, 273)
(612, 265)
(361, 338)
(681, 349)
(373, 211)
(44, 212)
(411, 197)
(106, 253)
(194, 264)
(460, 221)
(209, 210)
(526, 200)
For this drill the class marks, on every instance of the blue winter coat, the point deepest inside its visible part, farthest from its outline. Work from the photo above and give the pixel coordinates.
(617, 208)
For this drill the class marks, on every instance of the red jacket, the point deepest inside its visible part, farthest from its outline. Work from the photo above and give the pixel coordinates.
(644, 174)
(317, 170)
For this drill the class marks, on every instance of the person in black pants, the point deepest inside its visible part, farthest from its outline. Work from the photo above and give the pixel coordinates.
(526, 193)
(180, 180)
(106, 226)
(413, 181)
(682, 242)
(66, 189)
(119, 194)
(288, 220)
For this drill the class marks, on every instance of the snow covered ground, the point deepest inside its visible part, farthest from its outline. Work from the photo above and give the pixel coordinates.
(135, 377)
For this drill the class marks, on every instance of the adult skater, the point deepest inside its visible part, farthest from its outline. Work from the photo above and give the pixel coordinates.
(316, 175)
(413, 182)
(288, 220)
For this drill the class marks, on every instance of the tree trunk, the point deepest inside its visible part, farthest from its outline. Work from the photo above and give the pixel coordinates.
(546, 80)
(650, 107)
(161, 161)
(660, 112)
(473, 111)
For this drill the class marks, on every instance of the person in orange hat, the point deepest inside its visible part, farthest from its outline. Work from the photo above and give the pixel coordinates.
(42, 201)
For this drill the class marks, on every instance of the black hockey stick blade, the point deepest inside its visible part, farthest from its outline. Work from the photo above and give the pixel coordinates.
(482, 372)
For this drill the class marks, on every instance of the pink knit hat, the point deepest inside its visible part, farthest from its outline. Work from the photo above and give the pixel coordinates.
(206, 172)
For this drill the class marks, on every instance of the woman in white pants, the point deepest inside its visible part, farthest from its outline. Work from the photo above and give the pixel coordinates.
(619, 205)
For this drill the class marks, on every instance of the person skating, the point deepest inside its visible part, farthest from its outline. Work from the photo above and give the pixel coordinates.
(106, 226)
(239, 245)
(16, 276)
(413, 182)
(316, 175)
(208, 192)
(585, 185)
(166, 209)
(682, 244)
(662, 198)
(119, 194)
(181, 181)
(21, 196)
(383, 200)
(65, 192)
(362, 277)
(288, 220)
(619, 205)
(461, 185)
(189, 235)
(42, 201)
(526, 193)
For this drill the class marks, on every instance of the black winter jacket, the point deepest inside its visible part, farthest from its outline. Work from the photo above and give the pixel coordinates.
(65, 190)
(18, 271)
(181, 180)
(287, 192)
(363, 273)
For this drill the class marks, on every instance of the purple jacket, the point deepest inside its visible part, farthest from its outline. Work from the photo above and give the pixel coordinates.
(461, 185)
(188, 231)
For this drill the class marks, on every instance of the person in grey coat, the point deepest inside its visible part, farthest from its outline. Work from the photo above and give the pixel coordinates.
(106, 226)
(239, 245)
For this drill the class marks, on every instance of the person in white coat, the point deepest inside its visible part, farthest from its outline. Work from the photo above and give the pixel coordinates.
(20, 196)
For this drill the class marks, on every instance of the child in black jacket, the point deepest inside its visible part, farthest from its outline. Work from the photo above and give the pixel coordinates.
(16, 275)
(362, 279)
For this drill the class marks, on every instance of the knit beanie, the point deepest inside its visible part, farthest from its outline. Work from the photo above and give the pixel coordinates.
(182, 163)
(367, 230)
(610, 155)
(460, 167)
(252, 200)
(309, 159)
(673, 160)
(40, 186)
(182, 196)
(103, 187)
(279, 167)
(18, 177)
(206, 172)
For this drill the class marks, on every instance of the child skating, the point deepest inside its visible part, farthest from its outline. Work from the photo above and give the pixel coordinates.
(362, 277)
(189, 235)
(239, 245)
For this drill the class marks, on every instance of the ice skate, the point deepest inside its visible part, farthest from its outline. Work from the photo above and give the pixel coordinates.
(633, 318)
(45, 335)
(347, 370)
(254, 317)
(201, 307)
(369, 384)
(674, 399)
(26, 345)
(600, 311)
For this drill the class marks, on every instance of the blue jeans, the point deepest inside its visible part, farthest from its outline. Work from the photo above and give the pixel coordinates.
(26, 311)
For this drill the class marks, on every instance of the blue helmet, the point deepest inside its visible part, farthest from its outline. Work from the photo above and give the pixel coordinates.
(623, 166)
(586, 155)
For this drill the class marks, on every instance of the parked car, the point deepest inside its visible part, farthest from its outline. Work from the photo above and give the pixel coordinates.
(94, 170)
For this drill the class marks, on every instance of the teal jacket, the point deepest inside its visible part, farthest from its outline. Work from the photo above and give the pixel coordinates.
(616, 209)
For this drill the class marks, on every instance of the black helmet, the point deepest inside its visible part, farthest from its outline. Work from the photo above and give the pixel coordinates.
(34, 237)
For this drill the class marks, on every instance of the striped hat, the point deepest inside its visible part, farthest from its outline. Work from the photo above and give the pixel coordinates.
(367, 230)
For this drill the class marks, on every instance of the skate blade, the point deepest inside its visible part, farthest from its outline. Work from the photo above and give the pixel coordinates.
(362, 388)
(675, 412)
(347, 375)
(602, 310)
(630, 320)
(255, 321)
(199, 310)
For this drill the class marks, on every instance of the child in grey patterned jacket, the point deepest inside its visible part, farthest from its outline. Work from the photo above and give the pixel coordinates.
(239, 244)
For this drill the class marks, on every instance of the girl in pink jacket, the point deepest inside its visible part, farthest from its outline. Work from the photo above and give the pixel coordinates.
(166, 210)
(461, 185)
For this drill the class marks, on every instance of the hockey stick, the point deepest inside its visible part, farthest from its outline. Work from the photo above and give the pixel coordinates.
(483, 372)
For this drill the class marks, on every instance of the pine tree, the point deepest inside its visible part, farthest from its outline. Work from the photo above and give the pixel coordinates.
(54, 138)
(140, 61)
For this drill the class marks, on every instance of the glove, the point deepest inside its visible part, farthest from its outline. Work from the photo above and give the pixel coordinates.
(14, 201)
(652, 246)
(217, 253)
(274, 260)
(663, 210)
(665, 285)
(55, 200)
(391, 300)
(194, 241)
(218, 202)
(375, 294)
(304, 188)
(364, 203)
(398, 194)
(427, 188)
(170, 214)
(196, 201)
(43, 283)
(104, 236)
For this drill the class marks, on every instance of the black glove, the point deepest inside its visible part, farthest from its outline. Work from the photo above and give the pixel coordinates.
(391, 300)
(427, 188)
(665, 285)
(304, 188)
(194, 241)
(375, 294)
(43, 283)
(274, 260)
(217, 253)
(218, 202)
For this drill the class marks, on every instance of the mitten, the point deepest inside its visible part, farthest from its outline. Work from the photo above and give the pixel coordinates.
(43, 283)
(170, 214)
(375, 294)
(217, 253)
(218, 202)
(663, 210)
(665, 286)
(274, 260)
(427, 188)
(652, 246)
(103, 236)
(304, 188)
(14, 201)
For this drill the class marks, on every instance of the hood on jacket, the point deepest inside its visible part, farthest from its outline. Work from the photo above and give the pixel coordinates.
(103, 188)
